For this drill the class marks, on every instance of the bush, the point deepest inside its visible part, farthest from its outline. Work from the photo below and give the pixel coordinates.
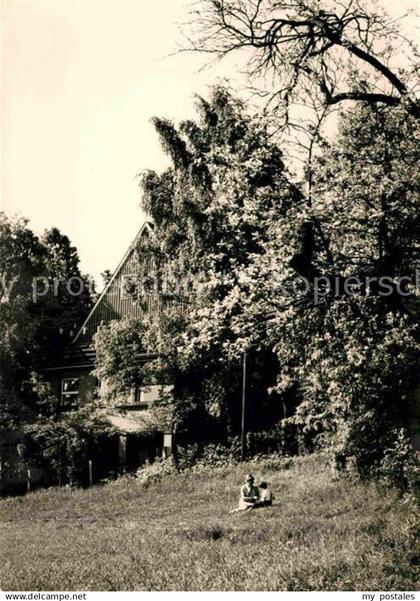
(285, 439)
(399, 466)
(154, 472)
(61, 446)
(220, 455)
(208, 455)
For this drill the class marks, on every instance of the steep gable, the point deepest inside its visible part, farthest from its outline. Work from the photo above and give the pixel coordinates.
(114, 302)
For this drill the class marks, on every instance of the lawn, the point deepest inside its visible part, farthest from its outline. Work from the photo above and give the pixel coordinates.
(177, 534)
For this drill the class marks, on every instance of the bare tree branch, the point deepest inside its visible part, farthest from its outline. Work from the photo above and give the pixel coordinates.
(296, 40)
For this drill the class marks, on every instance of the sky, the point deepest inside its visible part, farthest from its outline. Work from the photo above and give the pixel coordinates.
(80, 81)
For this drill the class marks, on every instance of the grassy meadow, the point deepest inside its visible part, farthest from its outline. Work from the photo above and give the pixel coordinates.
(177, 534)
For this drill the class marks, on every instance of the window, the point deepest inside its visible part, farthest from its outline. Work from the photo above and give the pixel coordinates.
(69, 392)
(128, 286)
(135, 397)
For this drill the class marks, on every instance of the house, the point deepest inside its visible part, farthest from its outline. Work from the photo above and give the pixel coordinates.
(73, 382)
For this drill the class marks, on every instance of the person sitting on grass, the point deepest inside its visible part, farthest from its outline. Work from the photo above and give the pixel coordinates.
(265, 496)
(249, 495)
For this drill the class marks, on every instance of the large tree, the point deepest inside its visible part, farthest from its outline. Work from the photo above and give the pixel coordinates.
(211, 211)
(347, 326)
(69, 293)
(21, 260)
(38, 307)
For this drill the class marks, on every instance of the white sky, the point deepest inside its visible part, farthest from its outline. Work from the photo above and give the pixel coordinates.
(80, 81)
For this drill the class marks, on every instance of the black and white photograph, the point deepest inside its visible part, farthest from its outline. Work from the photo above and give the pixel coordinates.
(209, 299)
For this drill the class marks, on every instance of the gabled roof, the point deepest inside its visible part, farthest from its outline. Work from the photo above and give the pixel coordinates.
(146, 228)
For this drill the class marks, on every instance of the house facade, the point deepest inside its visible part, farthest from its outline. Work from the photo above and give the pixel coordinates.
(73, 382)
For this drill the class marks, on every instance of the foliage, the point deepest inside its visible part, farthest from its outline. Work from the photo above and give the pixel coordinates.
(62, 444)
(211, 211)
(360, 357)
(70, 292)
(120, 347)
(155, 472)
(352, 354)
(44, 401)
(106, 277)
(32, 309)
(38, 310)
(279, 443)
(21, 260)
(355, 377)
(284, 440)
(365, 196)
(399, 466)
(245, 262)
(212, 455)
(228, 182)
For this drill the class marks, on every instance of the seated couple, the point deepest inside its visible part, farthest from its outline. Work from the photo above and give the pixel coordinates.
(254, 496)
